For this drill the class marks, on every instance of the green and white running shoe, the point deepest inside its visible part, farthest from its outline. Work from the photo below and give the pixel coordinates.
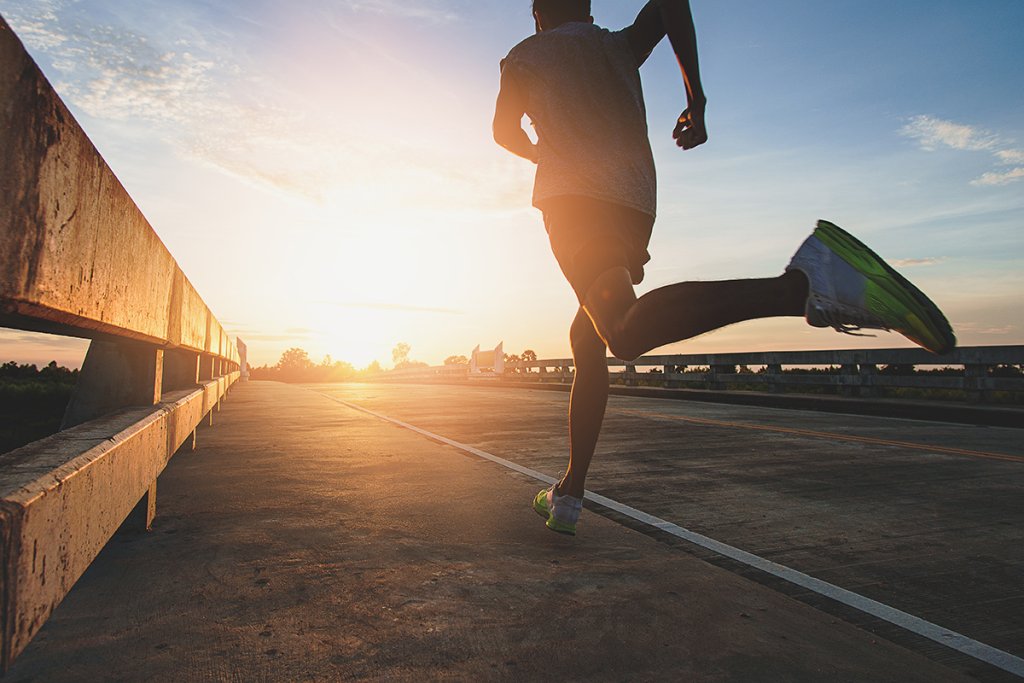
(852, 288)
(562, 512)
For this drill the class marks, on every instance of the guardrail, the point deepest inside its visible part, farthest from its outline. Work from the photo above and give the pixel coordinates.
(78, 258)
(850, 372)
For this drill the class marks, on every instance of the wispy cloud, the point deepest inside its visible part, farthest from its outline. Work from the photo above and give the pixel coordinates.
(918, 262)
(402, 308)
(430, 10)
(933, 133)
(981, 328)
(1000, 177)
(189, 92)
(1011, 156)
(275, 337)
(209, 100)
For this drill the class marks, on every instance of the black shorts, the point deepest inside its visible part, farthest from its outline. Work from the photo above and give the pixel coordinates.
(590, 236)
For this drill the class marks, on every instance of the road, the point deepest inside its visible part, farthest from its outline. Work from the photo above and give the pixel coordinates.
(308, 539)
(921, 516)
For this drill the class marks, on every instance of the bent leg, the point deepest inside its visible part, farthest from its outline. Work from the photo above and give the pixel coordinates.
(631, 327)
(586, 402)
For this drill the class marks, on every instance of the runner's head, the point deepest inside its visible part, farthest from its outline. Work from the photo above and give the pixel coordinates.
(550, 14)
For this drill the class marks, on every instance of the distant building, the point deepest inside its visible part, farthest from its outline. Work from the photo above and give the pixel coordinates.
(487, 363)
(243, 356)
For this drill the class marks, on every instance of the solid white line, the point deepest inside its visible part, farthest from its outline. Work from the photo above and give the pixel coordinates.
(944, 636)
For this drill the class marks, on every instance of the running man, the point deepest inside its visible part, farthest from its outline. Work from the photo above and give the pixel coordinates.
(595, 185)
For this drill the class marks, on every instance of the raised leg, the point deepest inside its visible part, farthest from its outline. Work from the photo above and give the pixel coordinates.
(632, 326)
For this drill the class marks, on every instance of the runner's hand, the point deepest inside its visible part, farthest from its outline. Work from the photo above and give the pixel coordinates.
(690, 130)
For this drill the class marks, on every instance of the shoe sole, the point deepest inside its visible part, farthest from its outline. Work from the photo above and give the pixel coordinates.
(921, 321)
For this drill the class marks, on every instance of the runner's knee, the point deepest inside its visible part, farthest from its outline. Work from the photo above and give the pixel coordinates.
(584, 340)
(622, 344)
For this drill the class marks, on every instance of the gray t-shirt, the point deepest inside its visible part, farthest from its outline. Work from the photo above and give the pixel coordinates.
(582, 85)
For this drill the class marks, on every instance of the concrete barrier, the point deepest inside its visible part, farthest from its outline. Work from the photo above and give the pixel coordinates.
(61, 498)
(78, 258)
(855, 372)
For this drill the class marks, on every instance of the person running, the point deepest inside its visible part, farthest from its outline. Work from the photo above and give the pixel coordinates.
(579, 84)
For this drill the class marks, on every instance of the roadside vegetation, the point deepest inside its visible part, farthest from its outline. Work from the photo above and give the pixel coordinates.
(735, 382)
(32, 402)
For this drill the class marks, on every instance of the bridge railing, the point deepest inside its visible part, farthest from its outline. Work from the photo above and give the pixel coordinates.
(852, 372)
(78, 258)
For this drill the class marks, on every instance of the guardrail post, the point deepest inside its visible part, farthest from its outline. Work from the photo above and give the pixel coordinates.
(207, 371)
(115, 376)
(181, 371)
(715, 373)
(849, 379)
(974, 382)
(867, 380)
(774, 372)
(668, 371)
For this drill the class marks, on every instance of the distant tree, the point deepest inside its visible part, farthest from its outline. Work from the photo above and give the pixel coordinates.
(294, 359)
(1005, 371)
(49, 374)
(527, 356)
(456, 360)
(899, 369)
(339, 371)
(373, 368)
(400, 354)
(32, 401)
(295, 366)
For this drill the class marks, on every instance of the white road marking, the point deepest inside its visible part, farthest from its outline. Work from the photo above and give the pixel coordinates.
(922, 627)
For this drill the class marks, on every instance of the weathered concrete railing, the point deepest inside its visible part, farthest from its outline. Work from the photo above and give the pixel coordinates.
(78, 258)
(854, 372)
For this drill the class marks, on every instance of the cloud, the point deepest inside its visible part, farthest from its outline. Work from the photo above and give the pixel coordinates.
(403, 308)
(422, 9)
(979, 328)
(933, 133)
(918, 262)
(205, 96)
(1011, 156)
(1000, 178)
(274, 337)
(192, 91)
(37, 31)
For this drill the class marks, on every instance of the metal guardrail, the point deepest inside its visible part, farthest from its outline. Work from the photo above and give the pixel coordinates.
(78, 258)
(854, 372)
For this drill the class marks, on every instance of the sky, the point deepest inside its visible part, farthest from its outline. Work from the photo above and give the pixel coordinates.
(324, 173)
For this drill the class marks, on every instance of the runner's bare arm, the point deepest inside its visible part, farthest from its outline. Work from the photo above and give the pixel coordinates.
(646, 32)
(508, 118)
(673, 17)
